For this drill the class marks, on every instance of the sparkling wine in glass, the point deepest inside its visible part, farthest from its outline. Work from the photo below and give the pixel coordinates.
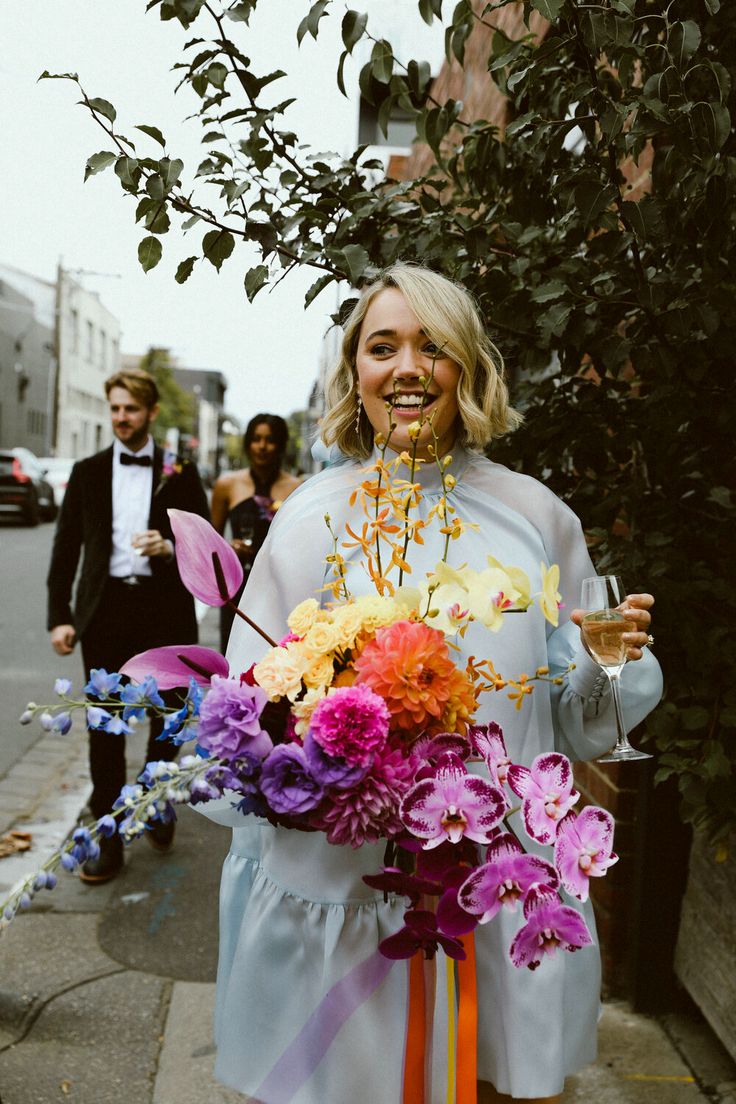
(603, 633)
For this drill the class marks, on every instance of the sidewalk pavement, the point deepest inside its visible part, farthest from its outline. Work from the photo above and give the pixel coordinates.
(106, 993)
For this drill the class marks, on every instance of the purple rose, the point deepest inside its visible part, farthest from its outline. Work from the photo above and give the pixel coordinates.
(230, 720)
(287, 783)
(331, 770)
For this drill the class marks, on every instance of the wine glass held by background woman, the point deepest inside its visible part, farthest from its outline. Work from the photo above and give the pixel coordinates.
(296, 916)
(247, 499)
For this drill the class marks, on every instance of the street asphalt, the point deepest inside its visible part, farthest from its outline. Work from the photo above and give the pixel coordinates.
(106, 993)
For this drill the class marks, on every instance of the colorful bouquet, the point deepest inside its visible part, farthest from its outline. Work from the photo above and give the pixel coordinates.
(359, 724)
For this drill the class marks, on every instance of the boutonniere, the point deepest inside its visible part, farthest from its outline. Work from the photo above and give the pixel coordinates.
(172, 466)
(267, 507)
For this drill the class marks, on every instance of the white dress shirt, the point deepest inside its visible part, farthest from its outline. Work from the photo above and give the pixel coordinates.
(131, 505)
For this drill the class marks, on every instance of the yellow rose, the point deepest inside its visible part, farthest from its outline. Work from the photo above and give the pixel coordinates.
(281, 670)
(305, 707)
(323, 637)
(320, 673)
(348, 623)
(303, 616)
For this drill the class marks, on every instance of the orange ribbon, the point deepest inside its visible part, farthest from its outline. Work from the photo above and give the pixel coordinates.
(467, 1026)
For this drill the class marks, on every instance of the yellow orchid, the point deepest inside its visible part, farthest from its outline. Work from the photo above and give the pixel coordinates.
(550, 597)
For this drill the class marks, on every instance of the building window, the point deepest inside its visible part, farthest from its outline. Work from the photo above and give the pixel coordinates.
(90, 342)
(103, 350)
(114, 354)
(74, 323)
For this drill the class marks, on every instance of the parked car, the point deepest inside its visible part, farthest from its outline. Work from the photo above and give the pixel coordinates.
(23, 489)
(56, 470)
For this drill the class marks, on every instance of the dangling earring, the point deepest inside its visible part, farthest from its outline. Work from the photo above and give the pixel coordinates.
(358, 412)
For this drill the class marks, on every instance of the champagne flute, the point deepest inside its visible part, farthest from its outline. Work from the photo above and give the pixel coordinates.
(603, 633)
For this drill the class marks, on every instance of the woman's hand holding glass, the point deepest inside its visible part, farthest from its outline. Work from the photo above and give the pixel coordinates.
(614, 628)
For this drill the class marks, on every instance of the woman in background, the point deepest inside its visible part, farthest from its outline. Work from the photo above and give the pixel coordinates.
(249, 498)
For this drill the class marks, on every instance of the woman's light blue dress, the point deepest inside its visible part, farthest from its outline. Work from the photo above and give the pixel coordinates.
(296, 916)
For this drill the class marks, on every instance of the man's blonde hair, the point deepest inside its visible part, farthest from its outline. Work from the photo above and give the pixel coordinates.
(140, 383)
(450, 318)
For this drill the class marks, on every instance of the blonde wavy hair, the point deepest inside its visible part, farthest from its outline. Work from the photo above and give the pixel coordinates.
(450, 318)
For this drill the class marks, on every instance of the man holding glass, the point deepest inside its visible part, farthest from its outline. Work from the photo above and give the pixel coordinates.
(129, 596)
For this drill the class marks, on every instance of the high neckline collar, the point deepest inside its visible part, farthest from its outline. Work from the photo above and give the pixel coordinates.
(427, 474)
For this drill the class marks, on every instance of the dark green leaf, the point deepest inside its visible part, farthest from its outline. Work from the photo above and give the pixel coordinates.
(149, 253)
(217, 246)
(97, 162)
(170, 169)
(340, 72)
(683, 41)
(184, 270)
(356, 260)
(713, 6)
(217, 74)
(430, 10)
(382, 61)
(103, 107)
(592, 199)
(317, 287)
(310, 23)
(127, 169)
(353, 25)
(555, 289)
(153, 132)
(241, 12)
(550, 9)
(59, 76)
(255, 278)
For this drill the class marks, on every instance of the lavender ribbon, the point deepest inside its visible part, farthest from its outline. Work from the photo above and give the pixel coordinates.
(301, 1058)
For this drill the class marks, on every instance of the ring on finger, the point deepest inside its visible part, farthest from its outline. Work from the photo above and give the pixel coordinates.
(650, 641)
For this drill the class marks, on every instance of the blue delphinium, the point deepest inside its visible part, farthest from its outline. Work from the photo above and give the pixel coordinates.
(102, 684)
(138, 698)
(62, 687)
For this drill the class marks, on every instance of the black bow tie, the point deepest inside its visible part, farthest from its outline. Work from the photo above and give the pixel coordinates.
(126, 458)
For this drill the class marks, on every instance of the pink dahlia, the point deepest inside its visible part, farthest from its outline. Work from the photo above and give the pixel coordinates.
(351, 723)
(370, 811)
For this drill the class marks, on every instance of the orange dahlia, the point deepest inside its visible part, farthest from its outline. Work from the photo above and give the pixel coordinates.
(409, 665)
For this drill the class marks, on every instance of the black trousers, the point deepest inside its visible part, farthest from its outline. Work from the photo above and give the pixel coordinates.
(128, 620)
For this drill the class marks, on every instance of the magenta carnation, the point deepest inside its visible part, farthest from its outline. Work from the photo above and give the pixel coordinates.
(352, 724)
(370, 811)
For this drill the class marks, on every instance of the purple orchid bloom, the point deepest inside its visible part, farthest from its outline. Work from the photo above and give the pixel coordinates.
(547, 794)
(420, 933)
(507, 874)
(583, 849)
(452, 805)
(286, 782)
(209, 567)
(394, 880)
(429, 747)
(489, 743)
(175, 664)
(549, 925)
(452, 918)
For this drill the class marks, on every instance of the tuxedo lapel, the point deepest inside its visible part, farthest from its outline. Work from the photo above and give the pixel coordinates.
(103, 490)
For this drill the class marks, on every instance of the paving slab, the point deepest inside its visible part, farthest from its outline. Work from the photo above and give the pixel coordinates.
(162, 913)
(97, 1043)
(185, 1070)
(637, 1064)
(41, 956)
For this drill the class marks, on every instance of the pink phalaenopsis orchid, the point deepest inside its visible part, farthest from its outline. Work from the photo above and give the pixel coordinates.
(175, 664)
(549, 925)
(583, 849)
(209, 567)
(452, 805)
(547, 794)
(489, 744)
(507, 875)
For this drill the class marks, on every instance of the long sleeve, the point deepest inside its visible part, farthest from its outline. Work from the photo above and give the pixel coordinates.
(65, 554)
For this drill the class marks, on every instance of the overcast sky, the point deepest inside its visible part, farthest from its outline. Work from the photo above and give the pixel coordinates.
(268, 351)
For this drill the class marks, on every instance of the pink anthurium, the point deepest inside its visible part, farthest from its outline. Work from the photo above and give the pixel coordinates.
(452, 805)
(209, 567)
(549, 925)
(547, 794)
(507, 874)
(583, 849)
(176, 664)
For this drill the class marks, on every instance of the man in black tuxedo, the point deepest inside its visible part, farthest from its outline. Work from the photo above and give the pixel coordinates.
(129, 596)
